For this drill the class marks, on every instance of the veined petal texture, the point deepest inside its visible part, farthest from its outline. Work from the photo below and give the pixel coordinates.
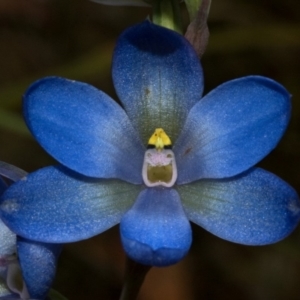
(56, 205)
(158, 78)
(84, 129)
(156, 231)
(38, 264)
(232, 128)
(255, 208)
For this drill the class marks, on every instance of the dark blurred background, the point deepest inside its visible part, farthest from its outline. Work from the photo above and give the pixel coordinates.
(75, 39)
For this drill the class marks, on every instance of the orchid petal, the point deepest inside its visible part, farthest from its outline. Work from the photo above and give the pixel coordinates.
(158, 78)
(38, 264)
(56, 205)
(84, 129)
(155, 231)
(232, 128)
(255, 208)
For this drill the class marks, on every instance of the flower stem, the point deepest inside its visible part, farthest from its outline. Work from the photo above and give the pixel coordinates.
(166, 13)
(135, 274)
(192, 7)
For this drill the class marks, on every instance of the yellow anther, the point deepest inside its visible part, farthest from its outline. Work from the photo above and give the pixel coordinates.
(159, 139)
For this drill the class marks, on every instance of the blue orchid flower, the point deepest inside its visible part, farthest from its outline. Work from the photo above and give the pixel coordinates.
(22, 275)
(108, 176)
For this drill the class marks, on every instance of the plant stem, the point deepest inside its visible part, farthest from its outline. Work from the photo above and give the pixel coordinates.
(166, 13)
(135, 274)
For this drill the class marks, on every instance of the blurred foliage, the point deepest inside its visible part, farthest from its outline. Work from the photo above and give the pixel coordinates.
(75, 39)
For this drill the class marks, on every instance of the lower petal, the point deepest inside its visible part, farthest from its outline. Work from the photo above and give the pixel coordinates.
(156, 231)
(56, 205)
(255, 208)
(38, 276)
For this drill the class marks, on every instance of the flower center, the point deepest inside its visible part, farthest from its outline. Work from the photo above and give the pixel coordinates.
(159, 166)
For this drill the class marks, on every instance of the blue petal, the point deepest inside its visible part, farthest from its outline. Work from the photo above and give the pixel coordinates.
(158, 78)
(84, 129)
(38, 264)
(232, 128)
(155, 231)
(255, 208)
(57, 205)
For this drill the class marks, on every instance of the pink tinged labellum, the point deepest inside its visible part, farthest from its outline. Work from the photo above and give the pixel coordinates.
(159, 168)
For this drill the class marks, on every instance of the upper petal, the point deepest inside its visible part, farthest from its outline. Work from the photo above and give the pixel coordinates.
(57, 205)
(232, 128)
(84, 129)
(38, 264)
(158, 78)
(254, 208)
(155, 231)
